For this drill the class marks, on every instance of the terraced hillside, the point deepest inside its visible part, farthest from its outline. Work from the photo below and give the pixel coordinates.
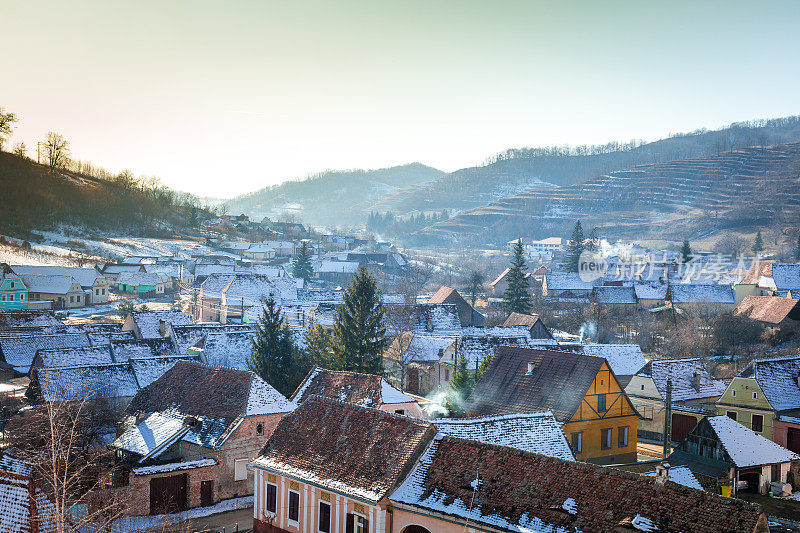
(751, 187)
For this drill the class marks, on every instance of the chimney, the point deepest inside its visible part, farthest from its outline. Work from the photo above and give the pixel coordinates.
(162, 327)
(662, 473)
(140, 416)
(696, 381)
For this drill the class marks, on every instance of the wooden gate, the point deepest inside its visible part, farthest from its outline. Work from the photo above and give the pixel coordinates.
(206, 493)
(169, 494)
(682, 425)
(793, 439)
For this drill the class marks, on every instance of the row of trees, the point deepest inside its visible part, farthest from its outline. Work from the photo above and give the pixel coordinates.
(389, 224)
(356, 342)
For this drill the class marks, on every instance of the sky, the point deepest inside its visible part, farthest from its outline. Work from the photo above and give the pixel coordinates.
(222, 98)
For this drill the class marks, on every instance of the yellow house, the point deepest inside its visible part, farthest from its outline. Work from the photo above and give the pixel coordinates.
(582, 392)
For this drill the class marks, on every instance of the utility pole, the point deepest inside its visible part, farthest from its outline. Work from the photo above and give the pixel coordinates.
(668, 420)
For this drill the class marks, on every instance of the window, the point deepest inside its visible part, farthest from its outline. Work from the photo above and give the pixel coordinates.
(104, 291)
(577, 442)
(399, 411)
(601, 403)
(731, 415)
(776, 472)
(447, 374)
(757, 422)
(21, 297)
(755, 395)
(12, 284)
(623, 436)
(97, 292)
(260, 428)
(10, 297)
(294, 506)
(78, 298)
(324, 517)
(71, 299)
(272, 498)
(530, 368)
(605, 439)
(642, 386)
(356, 524)
(4, 297)
(240, 469)
(733, 393)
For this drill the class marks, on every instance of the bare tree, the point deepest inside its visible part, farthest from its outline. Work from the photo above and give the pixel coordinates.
(475, 287)
(56, 150)
(730, 244)
(63, 441)
(20, 149)
(7, 121)
(400, 320)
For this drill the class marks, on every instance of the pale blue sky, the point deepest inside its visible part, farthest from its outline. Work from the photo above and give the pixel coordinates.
(221, 98)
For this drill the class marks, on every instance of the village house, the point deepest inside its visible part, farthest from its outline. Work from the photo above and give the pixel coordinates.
(13, 292)
(91, 281)
(142, 283)
(581, 391)
(694, 392)
(190, 435)
(312, 475)
(549, 246)
(650, 294)
(779, 315)
(18, 349)
(534, 323)
(420, 362)
(206, 306)
(176, 273)
(499, 285)
(723, 453)
(566, 287)
(111, 271)
(768, 278)
(63, 292)
(467, 314)
(154, 324)
(363, 389)
(697, 298)
(625, 360)
(765, 397)
(244, 291)
(517, 491)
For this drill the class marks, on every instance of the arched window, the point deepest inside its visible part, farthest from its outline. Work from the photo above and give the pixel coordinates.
(415, 529)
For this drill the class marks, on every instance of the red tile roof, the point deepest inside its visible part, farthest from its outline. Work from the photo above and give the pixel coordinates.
(770, 309)
(341, 446)
(517, 490)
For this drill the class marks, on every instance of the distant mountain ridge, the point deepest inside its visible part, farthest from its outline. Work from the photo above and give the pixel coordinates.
(334, 196)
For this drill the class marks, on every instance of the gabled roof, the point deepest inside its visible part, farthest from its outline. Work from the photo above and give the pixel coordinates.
(650, 290)
(430, 318)
(114, 380)
(786, 276)
(86, 277)
(624, 359)
(141, 278)
(186, 336)
(27, 318)
(701, 293)
(746, 447)
(521, 319)
(367, 390)
(566, 281)
(558, 383)
(758, 270)
(152, 435)
(445, 295)
(682, 372)
(50, 284)
(614, 295)
(255, 288)
(149, 321)
(230, 348)
(476, 345)
(19, 350)
(778, 379)
(769, 309)
(364, 454)
(122, 350)
(419, 347)
(61, 357)
(531, 432)
(512, 490)
(219, 397)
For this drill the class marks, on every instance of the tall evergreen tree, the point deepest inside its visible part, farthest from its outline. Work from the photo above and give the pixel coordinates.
(461, 385)
(516, 297)
(322, 348)
(302, 268)
(273, 356)
(358, 326)
(592, 241)
(686, 251)
(576, 247)
(758, 244)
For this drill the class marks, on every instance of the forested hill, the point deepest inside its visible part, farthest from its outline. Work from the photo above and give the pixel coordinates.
(334, 196)
(516, 171)
(36, 197)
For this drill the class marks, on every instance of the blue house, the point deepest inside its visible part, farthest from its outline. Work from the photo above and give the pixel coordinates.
(13, 292)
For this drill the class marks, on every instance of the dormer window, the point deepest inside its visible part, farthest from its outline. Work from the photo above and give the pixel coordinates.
(530, 368)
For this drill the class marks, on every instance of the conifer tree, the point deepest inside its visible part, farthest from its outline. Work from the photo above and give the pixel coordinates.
(686, 252)
(591, 243)
(273, 356)
(302, 268)
(461, 385)
(576, 247)
(322, 348)
(516, 297)
(758, 244)
(358, 326)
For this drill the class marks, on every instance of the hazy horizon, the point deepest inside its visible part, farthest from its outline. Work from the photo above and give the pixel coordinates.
(223, 99)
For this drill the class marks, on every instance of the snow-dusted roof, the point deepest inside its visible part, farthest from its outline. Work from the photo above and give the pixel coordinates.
(86, 277)
(155, 433)
(185, 336)
(24, 508)
(149, 321)
(786, 276)
(424, 347)
(682, 476)
(681, 372)
(650, 290)
(204, 270)
(49, 284)
(78, 382)
(477, 347)
(624, 359)
(255, 288)
(531, 432)
(125, 349)
(701, 293)
(614, 295)
(173, 467)
(87, 355)
(342, 267)
(19, 350)
(778, 380)
(227, 348)
(564, 281)
(148, 369)
(746, 447)
(137, 279)
(367, 390)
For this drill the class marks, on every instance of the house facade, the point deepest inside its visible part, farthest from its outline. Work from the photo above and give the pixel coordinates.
(13, 292)
(599, 420)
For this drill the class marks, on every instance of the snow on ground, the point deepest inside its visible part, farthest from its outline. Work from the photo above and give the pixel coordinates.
(110, 245)
(155, 523)
(16, 256)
